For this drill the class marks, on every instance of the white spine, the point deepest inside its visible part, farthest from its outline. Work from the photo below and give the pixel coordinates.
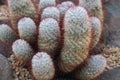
(46, 3)
(22, 51)
(49, 35)
(92, 69)
(7, 35)
(51, 12)
(64, 6)
(42, 66)
(77, 38)
(94, 7)
(27, 29)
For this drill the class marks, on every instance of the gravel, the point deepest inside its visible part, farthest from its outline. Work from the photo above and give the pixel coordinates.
(112, 55)
(19, 72)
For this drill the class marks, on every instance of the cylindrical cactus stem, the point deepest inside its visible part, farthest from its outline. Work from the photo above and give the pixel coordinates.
(49, 35)
(51, 12)
(19, 9)
(92, 69)
(97, 30)
(42, 66)
(7, 35)
(22, 51)
(63, 7)
(94, 7)
(77, 39)
(27, 30)
(46, 3)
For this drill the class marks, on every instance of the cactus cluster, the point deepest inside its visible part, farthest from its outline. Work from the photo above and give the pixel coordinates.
(56, 37)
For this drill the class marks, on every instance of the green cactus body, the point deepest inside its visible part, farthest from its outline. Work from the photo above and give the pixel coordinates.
(92, 69)
(42, 66)
(46, 3)
(77, 38)
(7, 35)
(22, 51)
(94, 7)
(51, 12)
(21, 8)
(97, 30)
(64, 6)
(49, 35)
(27, 29)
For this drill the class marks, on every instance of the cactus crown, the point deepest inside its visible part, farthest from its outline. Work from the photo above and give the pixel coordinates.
(46, 3)
(51, 12)
(64, 6)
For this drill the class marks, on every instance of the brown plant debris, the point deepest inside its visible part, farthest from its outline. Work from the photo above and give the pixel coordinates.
(112, 55)
(19, 72)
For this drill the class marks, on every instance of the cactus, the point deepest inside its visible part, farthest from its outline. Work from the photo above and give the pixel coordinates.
(49, 34)
(22, 51)
(27, 29)
(77, 38)
(94, 7)
(42, 66)
(46, 3)
(51, 12)
(64, 6)
(19, 9)
(97, 28)
(62, 36)
(94, 67)
(7, 35)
